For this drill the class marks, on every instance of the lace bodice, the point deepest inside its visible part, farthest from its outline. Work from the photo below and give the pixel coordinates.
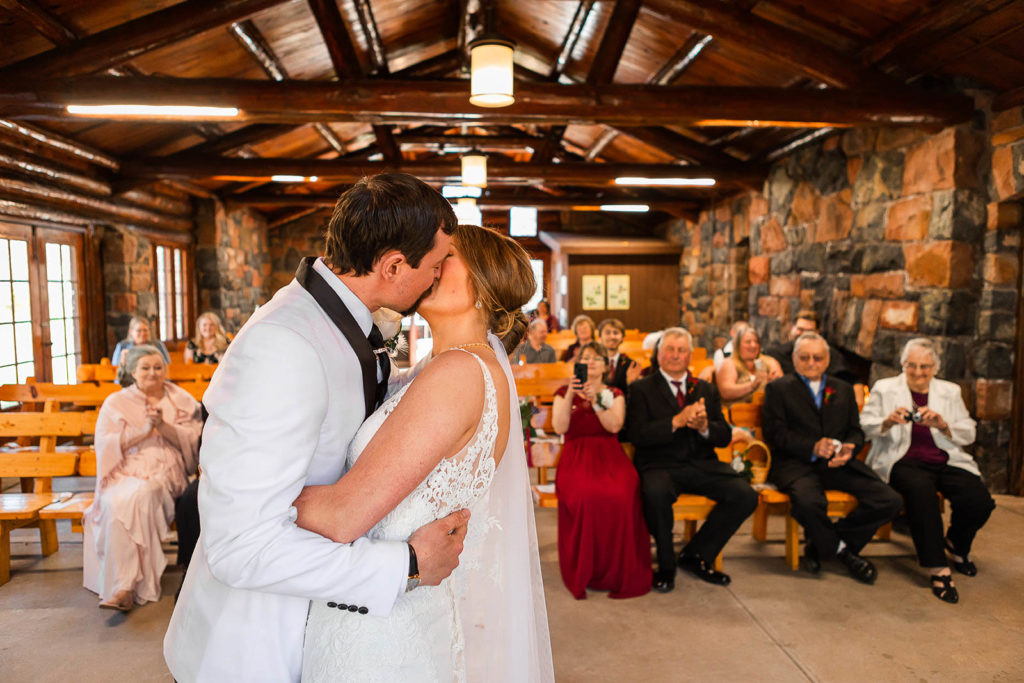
(422, 638)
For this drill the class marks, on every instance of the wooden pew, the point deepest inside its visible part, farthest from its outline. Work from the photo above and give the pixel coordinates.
(33, 392)
(176, 372)
(19, 510)
(47, 427)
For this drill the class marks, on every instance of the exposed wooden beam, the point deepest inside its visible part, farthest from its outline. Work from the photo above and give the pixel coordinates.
(498, 171)
(470, 26)
(445, 102)
(1005, 100)
(55, 144)
(681, 60)
(45, 170)
(289, 217)
(602, 141)
(378, 58)
(483, 142)
(572, 36)
(49, 26)
(797, 142)
(248, 135)
(124, 42)
(114, 210)
(253, 42)
(613, 43)
(930, 19)
(679, 146)
(731, 24)
(336, 37)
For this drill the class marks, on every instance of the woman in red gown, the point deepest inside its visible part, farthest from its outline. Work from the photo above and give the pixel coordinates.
(603, 542)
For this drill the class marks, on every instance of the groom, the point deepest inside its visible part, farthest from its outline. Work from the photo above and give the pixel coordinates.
(288, 397)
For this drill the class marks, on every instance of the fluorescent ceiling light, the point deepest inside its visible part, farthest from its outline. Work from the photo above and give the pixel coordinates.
(457, 191)
(294, 178)
(626, 208)
(677, 182)
(148, 110)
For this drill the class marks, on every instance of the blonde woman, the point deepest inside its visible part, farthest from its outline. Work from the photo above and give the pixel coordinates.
(210, 342)
(584, 328)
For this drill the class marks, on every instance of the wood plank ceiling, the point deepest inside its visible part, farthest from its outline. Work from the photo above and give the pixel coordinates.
(342, 88)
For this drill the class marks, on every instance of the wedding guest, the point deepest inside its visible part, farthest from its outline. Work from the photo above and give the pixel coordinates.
(675, 422)
(807, 321)
(146, 447)
(533, 349)
(747, 371)
(210, 342)
(811, 424)
(918, 426)
(543, 312)
(138, 333)
(622, 370)
(583, 328)
(603, 542)
(726, 351)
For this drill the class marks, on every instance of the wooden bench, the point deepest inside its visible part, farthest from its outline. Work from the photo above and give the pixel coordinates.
(34, 393)
(47, 427)
(176, 372)
(19, 510)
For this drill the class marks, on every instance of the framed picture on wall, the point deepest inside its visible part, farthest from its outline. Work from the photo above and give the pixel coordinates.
(618, 292)
(593, 293)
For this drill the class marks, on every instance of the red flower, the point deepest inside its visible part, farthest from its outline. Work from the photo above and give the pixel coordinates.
(828, 393)
(691, 385)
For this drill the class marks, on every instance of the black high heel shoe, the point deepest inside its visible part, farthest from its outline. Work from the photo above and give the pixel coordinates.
(947, 591)
(964, 566)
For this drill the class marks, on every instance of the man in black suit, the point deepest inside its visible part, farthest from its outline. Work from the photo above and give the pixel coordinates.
(675, 422)
(807, 321)
(811, 423)
(622, 370)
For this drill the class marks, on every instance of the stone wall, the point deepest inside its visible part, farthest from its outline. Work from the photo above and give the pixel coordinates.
(127, 260)
(887, 234)
(232, 262)
(290, 242)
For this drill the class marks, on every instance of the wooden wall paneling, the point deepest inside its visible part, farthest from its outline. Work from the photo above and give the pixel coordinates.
(94, 314)
(654, 288)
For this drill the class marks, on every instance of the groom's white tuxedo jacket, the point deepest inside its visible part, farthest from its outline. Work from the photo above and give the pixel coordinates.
(284, 405)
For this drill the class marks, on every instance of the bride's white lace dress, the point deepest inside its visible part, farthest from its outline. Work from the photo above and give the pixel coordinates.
(424, 638)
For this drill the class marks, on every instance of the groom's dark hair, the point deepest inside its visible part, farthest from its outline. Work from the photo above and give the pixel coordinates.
(384, 212)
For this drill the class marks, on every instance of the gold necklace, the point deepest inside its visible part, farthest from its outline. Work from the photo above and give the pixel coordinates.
(465, 346)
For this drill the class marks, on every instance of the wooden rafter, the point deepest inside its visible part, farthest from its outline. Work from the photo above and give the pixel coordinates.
(378, 57)
(679, 146)
(572, 36)
(933, 19)
(499, 171)
(445, 102)
(731, 24)
(49, 26)
(613, 42)
(253, 42)
(126, 41)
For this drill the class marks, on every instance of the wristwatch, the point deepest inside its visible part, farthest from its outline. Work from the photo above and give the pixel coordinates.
(414, 570)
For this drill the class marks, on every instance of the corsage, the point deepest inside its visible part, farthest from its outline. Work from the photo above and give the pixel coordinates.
(603, 401)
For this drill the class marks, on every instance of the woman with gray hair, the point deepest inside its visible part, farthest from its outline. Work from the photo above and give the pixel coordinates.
(918, 426)
(147, 438)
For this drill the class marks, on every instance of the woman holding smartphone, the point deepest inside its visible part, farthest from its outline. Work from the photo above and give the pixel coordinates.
(603, 543)
(749, 370)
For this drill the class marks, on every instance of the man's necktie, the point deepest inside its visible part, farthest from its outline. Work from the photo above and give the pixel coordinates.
(380, 352)
(680, 396)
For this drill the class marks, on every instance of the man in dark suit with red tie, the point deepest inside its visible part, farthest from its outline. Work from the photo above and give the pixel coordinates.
(675, 422)
(810, 421)
(622, 370)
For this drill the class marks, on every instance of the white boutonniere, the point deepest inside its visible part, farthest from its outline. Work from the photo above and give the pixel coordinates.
(604, 400)
(390, 325)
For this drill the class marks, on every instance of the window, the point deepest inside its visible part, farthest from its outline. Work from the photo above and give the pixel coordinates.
(41, 304)
(17, 354)
(171, 297)
(538, 275)
(522, 221)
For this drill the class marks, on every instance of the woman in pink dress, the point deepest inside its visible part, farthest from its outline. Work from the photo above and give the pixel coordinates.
(147, 438)
(603, 543)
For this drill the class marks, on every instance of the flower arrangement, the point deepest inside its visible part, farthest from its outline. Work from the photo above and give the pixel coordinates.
(390, 325)
(526, 412)
(828, 394)
(752, 462)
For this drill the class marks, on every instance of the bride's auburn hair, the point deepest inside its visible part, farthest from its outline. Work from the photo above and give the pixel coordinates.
(502, 279)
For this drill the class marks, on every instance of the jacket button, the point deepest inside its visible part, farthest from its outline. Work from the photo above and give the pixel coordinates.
(363, 610)
(332, 605)
(353, 608)
(342, 606)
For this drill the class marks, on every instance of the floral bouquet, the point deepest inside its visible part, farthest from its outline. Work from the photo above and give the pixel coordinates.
(390, 325)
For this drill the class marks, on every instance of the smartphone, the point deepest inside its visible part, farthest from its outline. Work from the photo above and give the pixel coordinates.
(579, 371)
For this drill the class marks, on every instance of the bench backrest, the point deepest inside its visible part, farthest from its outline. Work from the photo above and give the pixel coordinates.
(47, 424)
(40, 392)
(34, 464)
(176, 372)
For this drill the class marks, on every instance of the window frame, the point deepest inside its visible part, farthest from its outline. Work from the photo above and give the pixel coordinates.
(187, 297)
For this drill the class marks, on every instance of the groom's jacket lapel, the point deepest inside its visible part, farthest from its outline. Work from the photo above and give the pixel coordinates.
(339, 314)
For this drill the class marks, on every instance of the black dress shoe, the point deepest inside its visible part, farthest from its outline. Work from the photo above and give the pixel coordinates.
(664, 582)
(702, 570)
(859, 568)
(965, 567)
(810, 561)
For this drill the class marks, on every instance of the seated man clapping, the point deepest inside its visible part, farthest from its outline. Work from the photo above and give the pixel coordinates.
(811, 423)
(675, 422)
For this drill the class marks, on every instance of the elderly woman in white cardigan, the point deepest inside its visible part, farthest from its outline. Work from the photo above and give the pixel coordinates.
(918, 426)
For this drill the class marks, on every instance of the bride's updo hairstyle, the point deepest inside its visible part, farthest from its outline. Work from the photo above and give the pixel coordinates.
(502, 279)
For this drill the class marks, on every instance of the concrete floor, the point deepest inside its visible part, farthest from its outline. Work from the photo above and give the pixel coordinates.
(769, 625)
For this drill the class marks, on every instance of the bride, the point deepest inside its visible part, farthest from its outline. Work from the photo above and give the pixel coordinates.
(448, 440)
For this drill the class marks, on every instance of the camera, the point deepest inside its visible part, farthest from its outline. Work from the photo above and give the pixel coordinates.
(915, 416)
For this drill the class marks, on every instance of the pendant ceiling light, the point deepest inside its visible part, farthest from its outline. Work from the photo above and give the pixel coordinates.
(491, 63)
(468, 212)
(474, 168)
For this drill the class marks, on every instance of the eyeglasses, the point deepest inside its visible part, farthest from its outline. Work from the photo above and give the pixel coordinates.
(925, 367)
(805, 357)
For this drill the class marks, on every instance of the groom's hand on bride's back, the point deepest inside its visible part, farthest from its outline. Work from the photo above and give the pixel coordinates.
(438, 546)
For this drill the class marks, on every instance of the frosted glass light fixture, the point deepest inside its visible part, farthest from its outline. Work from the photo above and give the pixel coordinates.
(474, 169)
(468, 212)
(490, 71)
